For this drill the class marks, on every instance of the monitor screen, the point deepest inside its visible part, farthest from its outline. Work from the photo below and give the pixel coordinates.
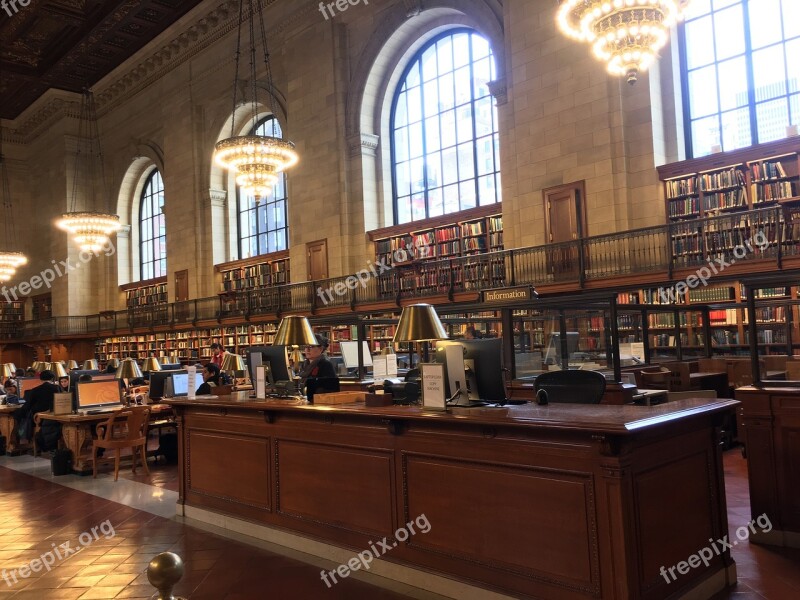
(486, 359)
(180, 383)
(157, 379)
(94, 394)
(275, 357)
(171, 367)
(350, 354)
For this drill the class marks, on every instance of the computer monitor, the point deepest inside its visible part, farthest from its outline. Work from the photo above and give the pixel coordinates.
(350, 354)
(157, 379)
(171, 367)
(486, 358)
(75, 375)
(26, 384)
(553, 354)
(274, 356)
(105, 393)
(180, 383)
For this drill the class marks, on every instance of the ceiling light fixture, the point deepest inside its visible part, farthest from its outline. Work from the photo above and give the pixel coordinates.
(255, 160)
(89, 229)
(625, 34)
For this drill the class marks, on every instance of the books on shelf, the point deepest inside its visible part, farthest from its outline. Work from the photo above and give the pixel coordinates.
(275, 272)
(147, 295)
(720, 180)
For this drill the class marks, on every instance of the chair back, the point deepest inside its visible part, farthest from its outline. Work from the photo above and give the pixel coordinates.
(127, 425)
(680, 380)
(659, 379)
(572, 386)
(743, 373)
(776, 362)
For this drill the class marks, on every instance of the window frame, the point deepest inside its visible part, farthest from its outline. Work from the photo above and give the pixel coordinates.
(270, 200)
(752, 103)
(416, 58)
(144, 198)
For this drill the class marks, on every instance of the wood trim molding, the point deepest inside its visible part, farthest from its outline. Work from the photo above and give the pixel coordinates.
(143, 284)
(253, 260)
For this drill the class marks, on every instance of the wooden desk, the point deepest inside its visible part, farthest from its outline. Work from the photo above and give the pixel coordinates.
(551, 502)
(771, 423)
(8, 427)
(77, 430)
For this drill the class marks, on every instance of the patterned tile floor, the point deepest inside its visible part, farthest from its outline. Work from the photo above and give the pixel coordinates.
(37, 512)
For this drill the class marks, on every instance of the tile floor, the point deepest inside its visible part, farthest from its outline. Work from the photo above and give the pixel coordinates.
(38, 511)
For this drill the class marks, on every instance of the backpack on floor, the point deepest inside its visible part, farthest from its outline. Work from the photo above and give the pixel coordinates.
(168, 447)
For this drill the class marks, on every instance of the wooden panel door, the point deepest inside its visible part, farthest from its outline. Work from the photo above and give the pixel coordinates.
(317, 253)
(565, 221)
(181, 294)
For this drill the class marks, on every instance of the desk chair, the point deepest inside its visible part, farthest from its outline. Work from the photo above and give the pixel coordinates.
(124, 429)
(570, 387)
(658, 379)
(322, 385)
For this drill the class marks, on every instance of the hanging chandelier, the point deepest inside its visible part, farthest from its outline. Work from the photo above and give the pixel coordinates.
(625, 34)
(255, 160)
(90, 230)
(10, 260)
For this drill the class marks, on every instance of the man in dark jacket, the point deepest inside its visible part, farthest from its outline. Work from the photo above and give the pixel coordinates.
(39, 400)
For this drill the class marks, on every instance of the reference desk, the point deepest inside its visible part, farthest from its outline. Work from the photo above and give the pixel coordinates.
(558, 501)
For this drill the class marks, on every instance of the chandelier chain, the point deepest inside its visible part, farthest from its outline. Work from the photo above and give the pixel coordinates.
(236, 67)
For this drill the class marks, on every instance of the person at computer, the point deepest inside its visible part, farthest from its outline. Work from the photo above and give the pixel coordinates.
(11, 390)
(40, 400)
(316, 363)
(63, 383)
(470, 333)
(210, 380)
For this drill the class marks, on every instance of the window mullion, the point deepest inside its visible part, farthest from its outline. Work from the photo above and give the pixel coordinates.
(751, 83)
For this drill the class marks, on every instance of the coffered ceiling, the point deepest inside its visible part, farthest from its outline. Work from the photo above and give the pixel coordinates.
(72, 44)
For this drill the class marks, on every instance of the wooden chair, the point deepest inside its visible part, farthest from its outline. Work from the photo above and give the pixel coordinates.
(124, 429)
(660, 379)
(712, 365)
(743, 373)
(681, 381)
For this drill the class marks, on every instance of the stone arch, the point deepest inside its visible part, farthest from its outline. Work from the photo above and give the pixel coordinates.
(401, 34)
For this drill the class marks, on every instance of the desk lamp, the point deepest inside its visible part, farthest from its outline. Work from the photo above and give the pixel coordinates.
(295, 330)
(91, 365)
(127, 370)
(151, 364)
(419, 323)
(114, 362)
(13, 367)
(232, 363)
(6, 372)
(58, 369)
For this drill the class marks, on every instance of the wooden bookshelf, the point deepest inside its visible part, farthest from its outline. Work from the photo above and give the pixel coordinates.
(12, 315)
(41, 306)
(146, 293)
(473, 232)
(257, 272)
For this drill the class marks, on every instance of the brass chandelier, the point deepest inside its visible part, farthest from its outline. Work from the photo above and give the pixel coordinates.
(255, 160)
(625, 34)
(10, 260)
(89, 229)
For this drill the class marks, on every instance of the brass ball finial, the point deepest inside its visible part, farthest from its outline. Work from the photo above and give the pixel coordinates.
(164, 572)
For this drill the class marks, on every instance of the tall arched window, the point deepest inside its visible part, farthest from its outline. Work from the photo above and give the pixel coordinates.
(152, 230)
(263, 227)
(445, 146)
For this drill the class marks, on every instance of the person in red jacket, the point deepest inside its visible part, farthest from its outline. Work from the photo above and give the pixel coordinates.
(218, 353)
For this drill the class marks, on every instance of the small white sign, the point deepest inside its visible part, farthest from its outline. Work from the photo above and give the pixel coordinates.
(192, 379)
(391, 365)
(380, 369)
(637, 350)
(433, 396)
(261, 379)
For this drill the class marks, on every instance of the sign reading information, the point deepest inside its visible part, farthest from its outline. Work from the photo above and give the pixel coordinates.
(508, 295)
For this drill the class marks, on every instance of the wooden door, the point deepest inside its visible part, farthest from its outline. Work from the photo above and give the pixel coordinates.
(317, 253)
(565, 222)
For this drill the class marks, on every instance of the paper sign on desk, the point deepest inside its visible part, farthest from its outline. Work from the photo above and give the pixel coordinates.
(637, 350)
(433, 396)
(192, 379)
(391, 365)
(380, 369)
(261, 381)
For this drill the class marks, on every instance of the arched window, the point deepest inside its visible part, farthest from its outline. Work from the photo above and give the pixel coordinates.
(152, 229)
(263, 227)
(741, 73)
(445, 146)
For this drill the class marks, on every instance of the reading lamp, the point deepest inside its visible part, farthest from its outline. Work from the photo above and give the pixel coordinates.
(13, 367)
(419, 323)
(58, 369)
(91, 365)
(114, 362)
(151, 364)
(127, 370)
(295, 330)
(232, 363)
(72, 364)
(6, 372)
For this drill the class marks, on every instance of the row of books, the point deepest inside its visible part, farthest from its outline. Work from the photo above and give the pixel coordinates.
(728, 316)
(684, 207)
(681, 187)
(721, 179)
(730, 199)
(712, 294)
(766, 170)
(767, 192)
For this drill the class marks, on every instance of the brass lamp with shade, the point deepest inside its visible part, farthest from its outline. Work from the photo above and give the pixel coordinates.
(295, 330)
(72, 364)
(112, 362)
(91, 365)
(58, 369)
(128, 369)
(231, 363)
(6, 372)
(151, 364)
(419, 323)
(12, 366)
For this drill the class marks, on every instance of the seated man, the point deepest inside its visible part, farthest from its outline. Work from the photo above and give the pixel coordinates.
(41, 400)
(210, 379)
